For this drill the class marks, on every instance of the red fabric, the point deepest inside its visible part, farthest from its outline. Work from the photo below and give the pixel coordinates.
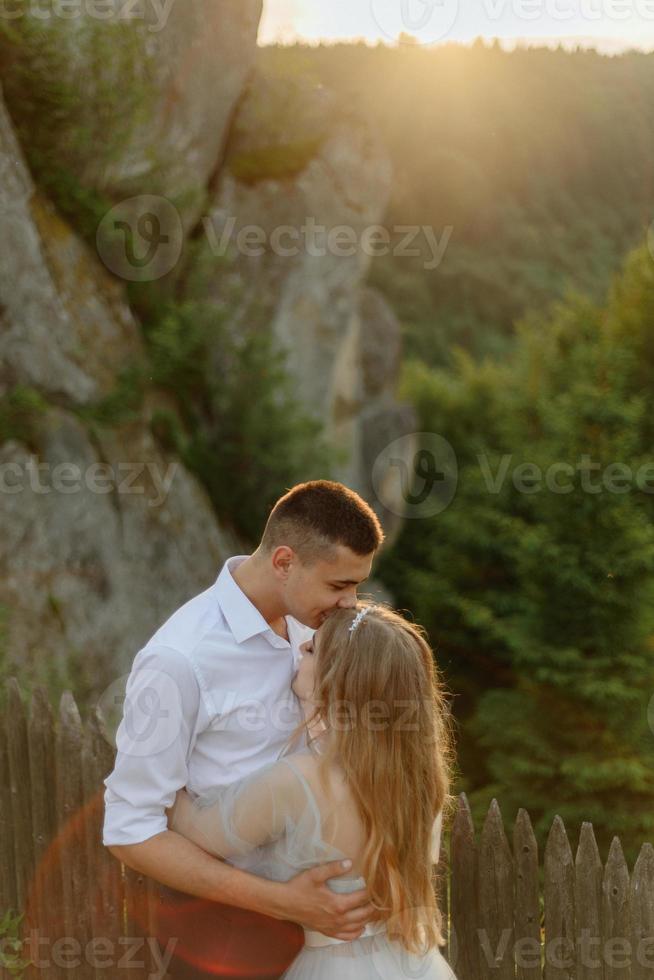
(216, 940)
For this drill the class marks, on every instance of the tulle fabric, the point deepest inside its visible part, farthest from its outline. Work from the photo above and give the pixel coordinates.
(368, 958)
(270, 824)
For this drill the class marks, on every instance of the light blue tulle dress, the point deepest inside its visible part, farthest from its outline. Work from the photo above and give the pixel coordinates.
(278, 822)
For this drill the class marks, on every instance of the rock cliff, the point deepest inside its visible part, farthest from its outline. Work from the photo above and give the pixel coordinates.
(104, 530)
(103, 535)
(289, 234)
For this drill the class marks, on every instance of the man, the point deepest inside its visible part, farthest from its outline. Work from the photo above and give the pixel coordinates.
(209, 701)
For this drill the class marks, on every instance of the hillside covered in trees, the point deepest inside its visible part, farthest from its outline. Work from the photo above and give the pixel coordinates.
(535, 167)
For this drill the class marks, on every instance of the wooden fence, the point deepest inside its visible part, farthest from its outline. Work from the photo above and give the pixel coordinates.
(87, 917)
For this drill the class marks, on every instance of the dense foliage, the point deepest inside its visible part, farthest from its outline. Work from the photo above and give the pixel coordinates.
(537, 582)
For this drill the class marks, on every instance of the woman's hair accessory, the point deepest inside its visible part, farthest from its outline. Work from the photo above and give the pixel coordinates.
(357, 619)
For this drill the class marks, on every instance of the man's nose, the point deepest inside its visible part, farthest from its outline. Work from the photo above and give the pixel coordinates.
(348, 601)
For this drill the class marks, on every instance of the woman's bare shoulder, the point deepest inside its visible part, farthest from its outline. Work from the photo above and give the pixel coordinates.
(304, 760)
(312, 767)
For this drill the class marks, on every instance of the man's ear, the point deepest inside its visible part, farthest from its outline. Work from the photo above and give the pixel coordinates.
(282, 558)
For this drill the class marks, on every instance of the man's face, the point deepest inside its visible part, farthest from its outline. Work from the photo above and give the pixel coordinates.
(314, 591)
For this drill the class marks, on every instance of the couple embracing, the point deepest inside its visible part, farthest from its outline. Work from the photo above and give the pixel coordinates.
(284, 762)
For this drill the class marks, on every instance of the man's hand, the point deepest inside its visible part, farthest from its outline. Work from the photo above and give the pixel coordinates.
(310, 902)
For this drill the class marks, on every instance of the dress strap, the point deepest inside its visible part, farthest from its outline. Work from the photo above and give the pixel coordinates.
(307, 789)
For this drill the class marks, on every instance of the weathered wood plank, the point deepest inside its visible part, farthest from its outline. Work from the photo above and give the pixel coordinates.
(616, 924)
(72, 848)
(464, 947)
(105, 884)
(19, 788)
(641, 906)
(527, 925)
(588, 906)
(441, 878)
(141, 897)
(46, 891)
(560, 949)
(496, 899)
(90, 829)
(8, 888)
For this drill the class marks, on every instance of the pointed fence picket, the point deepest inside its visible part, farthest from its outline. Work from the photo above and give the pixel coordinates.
(88, 917)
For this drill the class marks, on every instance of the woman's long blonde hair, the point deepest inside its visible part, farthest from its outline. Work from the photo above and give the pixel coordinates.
(379, 692)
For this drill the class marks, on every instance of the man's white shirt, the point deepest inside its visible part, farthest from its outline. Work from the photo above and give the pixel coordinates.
(208, 701)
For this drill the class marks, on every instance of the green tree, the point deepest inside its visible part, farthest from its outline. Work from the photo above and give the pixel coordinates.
(537, 584)
(238, 425)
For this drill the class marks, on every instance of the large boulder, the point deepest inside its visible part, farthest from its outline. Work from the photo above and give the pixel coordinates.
(102, 538)
(290, 252)
(65, 327)
(129, 103)
(103, 534)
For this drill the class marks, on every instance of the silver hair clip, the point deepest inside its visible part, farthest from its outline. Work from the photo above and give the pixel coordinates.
(357, 619)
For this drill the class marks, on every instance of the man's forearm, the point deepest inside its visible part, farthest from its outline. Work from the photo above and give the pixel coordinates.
(178, 863)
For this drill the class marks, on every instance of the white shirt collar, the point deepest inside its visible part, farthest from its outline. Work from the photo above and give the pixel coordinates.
(243, 617)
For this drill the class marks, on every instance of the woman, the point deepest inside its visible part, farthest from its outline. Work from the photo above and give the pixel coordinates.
(371, 783)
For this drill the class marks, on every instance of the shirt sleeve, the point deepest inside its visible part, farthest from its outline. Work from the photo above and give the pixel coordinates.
(436, 838)
(156, 735)
(235, 820)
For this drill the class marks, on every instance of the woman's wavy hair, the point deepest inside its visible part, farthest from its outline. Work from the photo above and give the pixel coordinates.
(379, 691)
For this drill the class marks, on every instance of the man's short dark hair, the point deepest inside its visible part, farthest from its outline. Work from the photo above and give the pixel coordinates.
(315, 516)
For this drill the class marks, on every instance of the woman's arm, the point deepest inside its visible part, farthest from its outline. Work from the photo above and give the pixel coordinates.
(233, 820)
(197, 825)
